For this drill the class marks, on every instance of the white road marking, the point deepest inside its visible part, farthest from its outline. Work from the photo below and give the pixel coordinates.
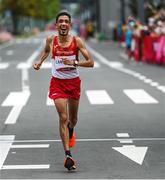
(4, 65)
(46, 65)
(121, 68)
(126, 141)
(34, 55)
(23, 66)
(139, 96)
(49, 102)
(124, 135)
(13, 115)
(18, 100)
(30, 146)
(9, 53)
(96, 65)
(162, 88)
(82, 140)
(98, 97)
(115, 64)
(40, 166)
(5, 147)
(136, 154)
(25, 80)
(154, 84)
(142, 77)
(148, 81)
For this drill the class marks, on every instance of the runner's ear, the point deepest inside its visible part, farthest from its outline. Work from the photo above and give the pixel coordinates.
(56, 26)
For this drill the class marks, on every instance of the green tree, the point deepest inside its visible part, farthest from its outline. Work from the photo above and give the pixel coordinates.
(148, 4)
(42, 9)
(46, 9)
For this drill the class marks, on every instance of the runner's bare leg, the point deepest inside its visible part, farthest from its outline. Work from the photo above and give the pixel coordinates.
(73, 106)
(61, 106)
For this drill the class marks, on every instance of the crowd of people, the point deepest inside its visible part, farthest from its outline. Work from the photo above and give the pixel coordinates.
(144, 42)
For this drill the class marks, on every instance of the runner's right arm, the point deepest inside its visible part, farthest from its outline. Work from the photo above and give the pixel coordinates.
(44, 54)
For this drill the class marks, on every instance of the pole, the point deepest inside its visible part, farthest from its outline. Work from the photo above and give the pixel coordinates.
(141, 13)
(122, 4)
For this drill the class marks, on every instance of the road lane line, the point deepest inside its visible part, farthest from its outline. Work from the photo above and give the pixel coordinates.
(139, 96)
(46, 65)
(83, 140)
(13, 115)
(40, 166)
(19, 146)
(4, 65)
(34, 55)
(49, 102)
(18, 100)
(9, 53)
(120, 67)
(123, 135)
(5, 147)
(126, 141)
(96, 65)
(98, 97)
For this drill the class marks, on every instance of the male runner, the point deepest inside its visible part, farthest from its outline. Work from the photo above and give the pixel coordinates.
(65, 81)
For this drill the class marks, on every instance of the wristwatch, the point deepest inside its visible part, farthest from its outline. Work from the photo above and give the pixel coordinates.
(75, 63)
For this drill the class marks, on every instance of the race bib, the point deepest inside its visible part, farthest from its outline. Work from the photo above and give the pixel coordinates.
(60, 66)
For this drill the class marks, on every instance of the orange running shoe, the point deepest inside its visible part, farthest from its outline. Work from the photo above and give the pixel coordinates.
(72, 141)
(69, 163)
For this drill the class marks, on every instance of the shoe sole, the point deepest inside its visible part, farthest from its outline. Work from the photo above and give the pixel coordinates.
(69, 164)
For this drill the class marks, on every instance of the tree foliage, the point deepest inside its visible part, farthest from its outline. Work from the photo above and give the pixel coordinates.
(45, 9)
(150, 6)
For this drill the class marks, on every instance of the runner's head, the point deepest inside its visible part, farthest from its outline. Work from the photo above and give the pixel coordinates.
(63, 23)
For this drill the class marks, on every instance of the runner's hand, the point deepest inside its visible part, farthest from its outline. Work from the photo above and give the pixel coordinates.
(67, 61)
(37, 65)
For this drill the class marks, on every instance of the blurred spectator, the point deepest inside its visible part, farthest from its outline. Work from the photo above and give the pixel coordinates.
(90, 28)
(76, 26)
(83, 31)
(145, 42)
(129, 36)
(5, 36)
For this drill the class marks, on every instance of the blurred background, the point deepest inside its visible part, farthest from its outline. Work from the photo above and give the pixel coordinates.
(18, 16)
(118, 20)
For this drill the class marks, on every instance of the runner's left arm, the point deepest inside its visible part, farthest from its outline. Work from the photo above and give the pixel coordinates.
(88, 58)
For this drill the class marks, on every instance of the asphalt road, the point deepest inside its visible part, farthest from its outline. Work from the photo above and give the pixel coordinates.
(120, 132)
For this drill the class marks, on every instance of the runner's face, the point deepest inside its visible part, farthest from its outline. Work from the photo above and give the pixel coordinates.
(63, 25)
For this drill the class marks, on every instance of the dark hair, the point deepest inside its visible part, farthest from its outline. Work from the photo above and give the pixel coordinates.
(63, 13)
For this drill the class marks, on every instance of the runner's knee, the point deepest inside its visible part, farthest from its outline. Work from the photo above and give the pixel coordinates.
(73, 121)
(63, 118)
